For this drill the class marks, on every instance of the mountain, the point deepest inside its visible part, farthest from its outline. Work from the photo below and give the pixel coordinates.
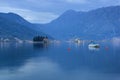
(14, 26)
(102, 23)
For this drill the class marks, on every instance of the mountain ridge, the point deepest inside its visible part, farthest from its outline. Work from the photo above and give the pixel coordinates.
(14, 26)
(102, 23)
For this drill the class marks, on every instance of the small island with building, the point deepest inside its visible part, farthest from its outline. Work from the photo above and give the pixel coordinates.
(40, 39)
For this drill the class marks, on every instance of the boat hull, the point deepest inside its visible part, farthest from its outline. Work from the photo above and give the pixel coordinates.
(94, 45)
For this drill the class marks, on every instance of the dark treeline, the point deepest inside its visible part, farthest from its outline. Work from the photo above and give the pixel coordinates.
(39, 38)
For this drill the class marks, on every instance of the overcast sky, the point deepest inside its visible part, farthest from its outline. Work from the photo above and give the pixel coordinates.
(44, 11)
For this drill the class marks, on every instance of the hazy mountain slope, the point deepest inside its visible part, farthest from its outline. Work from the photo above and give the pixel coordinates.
(12, 25)
(102, 23)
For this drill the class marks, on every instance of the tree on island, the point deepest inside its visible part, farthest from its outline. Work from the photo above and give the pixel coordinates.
(40, 38)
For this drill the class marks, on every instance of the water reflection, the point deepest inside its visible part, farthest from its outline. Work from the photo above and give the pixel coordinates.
(40, 45)
(116, 42)
(15, 55)
(37, 62)
(46, 69)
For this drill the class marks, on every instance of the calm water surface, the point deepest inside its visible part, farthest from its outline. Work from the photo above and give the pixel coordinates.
(60, 61)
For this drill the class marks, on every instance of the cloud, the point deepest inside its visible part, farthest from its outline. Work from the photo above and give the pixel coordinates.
(31, 16)
(77, 1)
(44, 11)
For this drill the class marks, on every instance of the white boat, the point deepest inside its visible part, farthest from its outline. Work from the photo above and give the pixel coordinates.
(94, 45)
(93, 48)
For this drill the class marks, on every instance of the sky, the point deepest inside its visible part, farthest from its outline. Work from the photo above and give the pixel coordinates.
(44, 11)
